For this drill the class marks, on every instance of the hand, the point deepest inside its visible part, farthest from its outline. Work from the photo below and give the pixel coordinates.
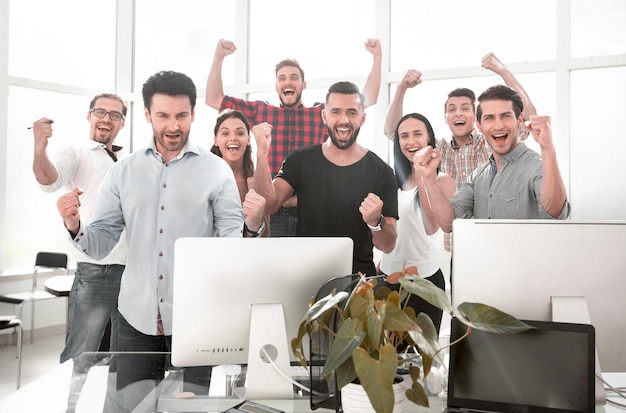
(541, 130)
(371, 209)
(426, 161)
(253, 209)
(224, 48)
(263, 136)
(69, 206)
(42, 131)
(491, 62)
(411, 78)
(373, 46)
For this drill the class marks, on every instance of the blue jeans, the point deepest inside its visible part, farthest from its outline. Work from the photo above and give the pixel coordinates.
(282, 225)
(142, 363)
(92, 302)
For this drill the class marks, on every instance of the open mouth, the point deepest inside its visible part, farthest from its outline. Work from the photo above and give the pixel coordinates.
(501, 137)
(232, 148)
(289, 92)
(104, 128)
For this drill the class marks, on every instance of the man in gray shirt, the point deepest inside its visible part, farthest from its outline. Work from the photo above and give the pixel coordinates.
(516, 183)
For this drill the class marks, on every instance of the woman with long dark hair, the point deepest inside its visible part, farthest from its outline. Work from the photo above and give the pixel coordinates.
(416, 230)
(232, 143)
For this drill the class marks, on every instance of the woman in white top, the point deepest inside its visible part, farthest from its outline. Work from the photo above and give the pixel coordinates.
(416, 229)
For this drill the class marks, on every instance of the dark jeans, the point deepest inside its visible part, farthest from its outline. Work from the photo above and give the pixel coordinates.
(139, 373)
(283, 225)
(92, 303)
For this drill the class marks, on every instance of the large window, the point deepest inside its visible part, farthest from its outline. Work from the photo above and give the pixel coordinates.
(56, 55)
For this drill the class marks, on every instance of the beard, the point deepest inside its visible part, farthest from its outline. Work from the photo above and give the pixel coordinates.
(342, 144)
(297, 99)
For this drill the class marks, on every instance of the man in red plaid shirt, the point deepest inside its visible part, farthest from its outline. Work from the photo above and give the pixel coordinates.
(294, 125)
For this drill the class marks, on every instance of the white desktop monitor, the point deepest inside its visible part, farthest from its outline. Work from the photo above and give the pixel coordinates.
(220, 283)
(522, 266)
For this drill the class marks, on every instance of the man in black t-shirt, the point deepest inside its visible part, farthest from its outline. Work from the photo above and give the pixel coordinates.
(343, 188)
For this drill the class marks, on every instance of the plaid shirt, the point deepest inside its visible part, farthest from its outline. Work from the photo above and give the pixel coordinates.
(293, 128)
(460, 162)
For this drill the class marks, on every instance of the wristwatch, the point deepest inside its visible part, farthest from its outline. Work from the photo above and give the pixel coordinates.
(257, 233)
(380, 226)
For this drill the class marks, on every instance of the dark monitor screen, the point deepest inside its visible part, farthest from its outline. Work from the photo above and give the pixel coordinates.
(548, 369)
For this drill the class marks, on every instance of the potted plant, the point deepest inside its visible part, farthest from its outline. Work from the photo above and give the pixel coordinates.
(374, 325)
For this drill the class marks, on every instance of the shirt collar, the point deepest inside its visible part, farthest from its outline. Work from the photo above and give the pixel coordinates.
(91, 144)
(472, 136)
(513, 155)
(189, 148)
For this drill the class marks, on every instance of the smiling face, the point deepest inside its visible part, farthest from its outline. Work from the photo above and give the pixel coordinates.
(343, 116)
(232, 139)
(500, 125)
(460, 116)
(171, 118)
(289, 85)
(412, 136)
(104, 130)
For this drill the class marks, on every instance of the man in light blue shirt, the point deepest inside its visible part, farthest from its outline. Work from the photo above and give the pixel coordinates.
(170, 189)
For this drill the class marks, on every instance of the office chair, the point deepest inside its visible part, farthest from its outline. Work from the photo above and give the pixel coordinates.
(44, 260)
(15, 323)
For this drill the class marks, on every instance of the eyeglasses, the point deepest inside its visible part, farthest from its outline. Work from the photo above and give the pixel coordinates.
(101, 113)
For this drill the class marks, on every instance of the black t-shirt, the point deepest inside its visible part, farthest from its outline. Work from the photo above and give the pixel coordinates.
(329, 197)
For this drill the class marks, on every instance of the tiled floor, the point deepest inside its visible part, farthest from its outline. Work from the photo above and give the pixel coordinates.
(37, 358)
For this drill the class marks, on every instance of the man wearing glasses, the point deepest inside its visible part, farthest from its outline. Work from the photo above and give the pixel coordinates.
(93, 298)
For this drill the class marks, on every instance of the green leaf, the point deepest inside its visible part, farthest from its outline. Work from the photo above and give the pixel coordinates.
(348, 338)
(417, 394)
(375, 322)
(397, 320)
(345, 373)
(377, 376)
(427, 291)
(324, 304)
(427, 339)
(487, 318)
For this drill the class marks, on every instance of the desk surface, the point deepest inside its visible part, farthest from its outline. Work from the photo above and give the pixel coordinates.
(50, 392)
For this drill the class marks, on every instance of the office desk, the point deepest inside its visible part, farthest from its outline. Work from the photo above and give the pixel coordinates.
(49, 394)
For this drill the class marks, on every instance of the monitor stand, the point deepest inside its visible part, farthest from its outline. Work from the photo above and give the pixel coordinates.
(568, 309)
(268, 337)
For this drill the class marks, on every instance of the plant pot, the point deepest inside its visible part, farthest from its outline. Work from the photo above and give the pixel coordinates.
(355, 400)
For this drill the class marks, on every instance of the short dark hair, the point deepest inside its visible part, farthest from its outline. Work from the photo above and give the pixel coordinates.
(169, 83)
(461, 92)
(248, 165)
(345, 88)
(289, 62)
(113, 96)
(500, 92)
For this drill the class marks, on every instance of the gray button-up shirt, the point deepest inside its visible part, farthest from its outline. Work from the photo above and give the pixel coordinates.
(512, 193)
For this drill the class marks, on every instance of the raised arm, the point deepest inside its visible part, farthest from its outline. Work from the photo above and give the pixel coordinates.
(448, 186)
(491, 62)
(214, 85)
(262, 176)
(276, 192)
(410, 79)
(45, 171)
(436, 202)
(553, 194)
(372, 84)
